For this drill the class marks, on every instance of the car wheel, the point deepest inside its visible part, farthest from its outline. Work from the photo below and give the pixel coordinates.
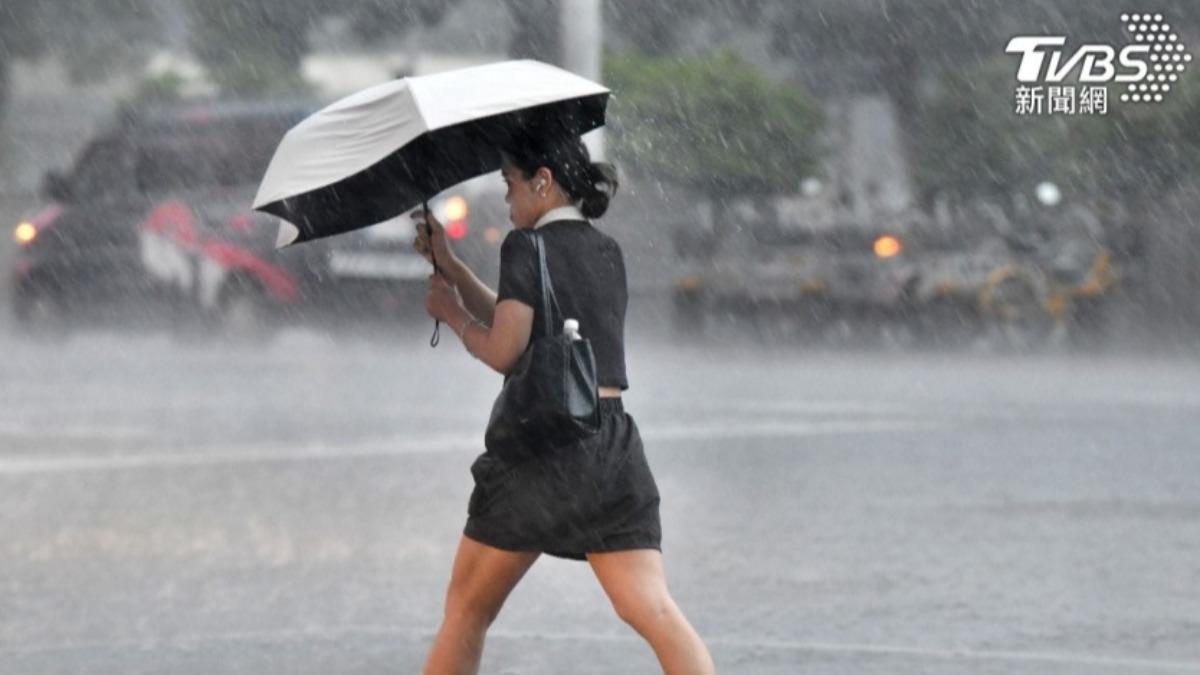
(688, 314)
(40, 316)
(770, 323)
(1090, 324)
(1020, 320)
(810, 317)
(242, 317)
(947, 323)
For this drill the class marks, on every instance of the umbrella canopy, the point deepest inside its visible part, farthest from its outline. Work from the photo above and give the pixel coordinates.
(378, 153)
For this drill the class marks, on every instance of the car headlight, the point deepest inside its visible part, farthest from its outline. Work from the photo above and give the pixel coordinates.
(456, 208)
(25, 233)
(455, 212)
(887, 246)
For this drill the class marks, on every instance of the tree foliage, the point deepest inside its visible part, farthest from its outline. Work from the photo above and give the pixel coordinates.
(248, 45)
(1139, 150)
(662, 28)
(92, 38)
(965, 138)
(255, 46)
(714, 124)
(973, 144)
(535, 30)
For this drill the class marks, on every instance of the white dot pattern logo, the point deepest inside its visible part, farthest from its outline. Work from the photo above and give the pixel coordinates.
(1165, 51)
(1153, 56)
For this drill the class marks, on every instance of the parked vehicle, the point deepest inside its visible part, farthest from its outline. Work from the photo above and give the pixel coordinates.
(151, 226)
(907, 282)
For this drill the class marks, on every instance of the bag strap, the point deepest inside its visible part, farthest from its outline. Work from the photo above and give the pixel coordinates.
(549, 301)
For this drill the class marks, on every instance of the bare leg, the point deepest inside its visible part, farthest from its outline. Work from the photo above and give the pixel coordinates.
(482, 578)
(636, 585)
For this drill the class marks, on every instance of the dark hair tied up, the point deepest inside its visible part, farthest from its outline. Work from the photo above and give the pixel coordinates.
(591, 185)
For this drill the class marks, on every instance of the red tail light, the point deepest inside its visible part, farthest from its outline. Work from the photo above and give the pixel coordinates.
(456, 211)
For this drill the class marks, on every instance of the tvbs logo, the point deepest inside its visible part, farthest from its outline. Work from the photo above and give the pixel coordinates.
(1148, 66)
(1095, 62)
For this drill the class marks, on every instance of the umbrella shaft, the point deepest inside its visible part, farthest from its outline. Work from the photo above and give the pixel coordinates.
(429, 233)
(433, 341)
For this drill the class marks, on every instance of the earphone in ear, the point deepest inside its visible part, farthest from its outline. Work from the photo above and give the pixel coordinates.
(541, 187)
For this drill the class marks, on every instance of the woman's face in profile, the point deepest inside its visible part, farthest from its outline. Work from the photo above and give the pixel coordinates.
(520, 196)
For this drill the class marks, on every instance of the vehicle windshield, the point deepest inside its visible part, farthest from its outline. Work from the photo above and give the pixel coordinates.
(191, 157)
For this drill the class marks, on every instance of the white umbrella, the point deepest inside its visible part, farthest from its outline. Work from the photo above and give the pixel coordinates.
(378, 153)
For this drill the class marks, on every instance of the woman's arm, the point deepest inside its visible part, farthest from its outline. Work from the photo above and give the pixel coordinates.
(500, 345)
(479, 300)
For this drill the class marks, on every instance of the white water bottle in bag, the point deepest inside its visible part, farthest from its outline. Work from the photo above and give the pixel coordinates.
(571, 329)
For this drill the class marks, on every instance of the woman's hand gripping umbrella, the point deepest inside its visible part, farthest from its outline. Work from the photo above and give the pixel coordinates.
(431, 242)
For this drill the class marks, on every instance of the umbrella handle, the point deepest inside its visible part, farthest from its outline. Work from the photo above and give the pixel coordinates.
(437, 325)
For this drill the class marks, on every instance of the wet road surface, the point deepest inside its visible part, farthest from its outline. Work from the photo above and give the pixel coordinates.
(201, 509)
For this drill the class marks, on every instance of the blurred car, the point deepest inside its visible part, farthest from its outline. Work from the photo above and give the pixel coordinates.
(904, 282)
(1078, 264)
(844, 279)
(152, 226)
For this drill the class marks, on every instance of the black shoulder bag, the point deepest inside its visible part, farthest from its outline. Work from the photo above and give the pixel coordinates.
(550, 397)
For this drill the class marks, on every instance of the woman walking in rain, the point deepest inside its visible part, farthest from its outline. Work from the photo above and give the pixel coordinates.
(596, 499)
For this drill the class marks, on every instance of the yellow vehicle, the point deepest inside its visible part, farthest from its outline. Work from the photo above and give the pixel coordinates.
(903, 284)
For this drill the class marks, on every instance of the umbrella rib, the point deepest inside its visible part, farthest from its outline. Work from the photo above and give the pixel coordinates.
(416, 101)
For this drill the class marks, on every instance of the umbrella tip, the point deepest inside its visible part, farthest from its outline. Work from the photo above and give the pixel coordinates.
(286, 235)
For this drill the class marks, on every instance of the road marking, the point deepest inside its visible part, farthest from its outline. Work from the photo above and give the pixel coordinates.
(812, 407)
(244, 455)
(421, 445)
(341, 632)
(932, 412)
(770, 428)
(968, 654)
(86, 432)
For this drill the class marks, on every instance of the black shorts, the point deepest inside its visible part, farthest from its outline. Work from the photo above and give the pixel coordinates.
(593, 496)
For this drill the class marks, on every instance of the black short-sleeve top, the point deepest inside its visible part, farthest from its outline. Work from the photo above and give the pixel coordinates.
(587, 271)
